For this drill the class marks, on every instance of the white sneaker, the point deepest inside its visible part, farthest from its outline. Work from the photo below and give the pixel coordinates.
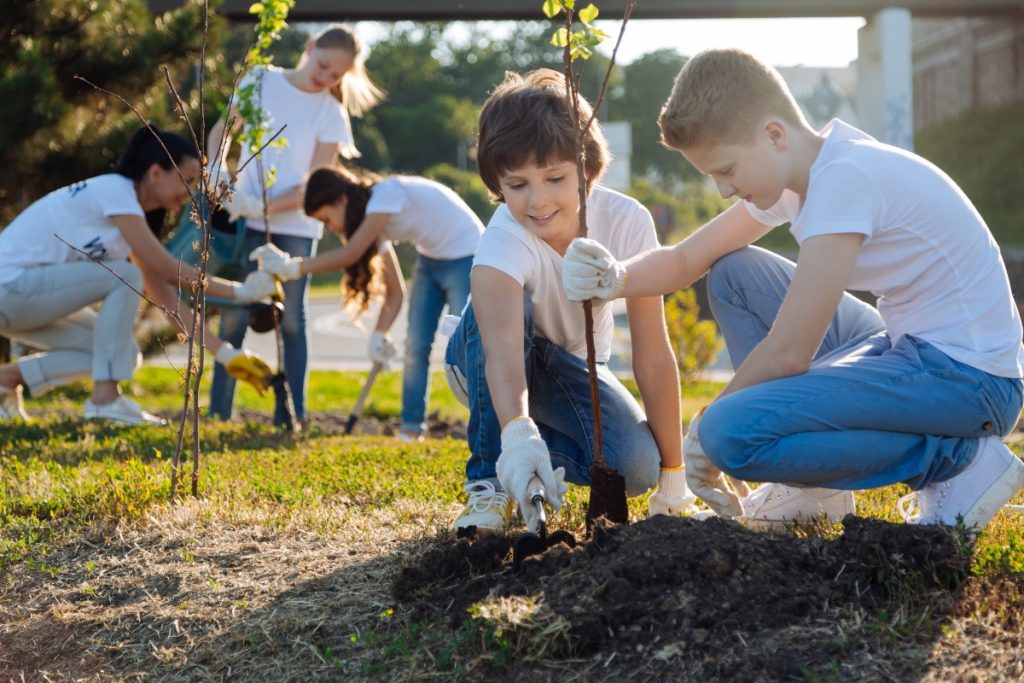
(12, 405)
(122, 410)
(409, 437)
(776, 504)
(976, 494)
(488, 510)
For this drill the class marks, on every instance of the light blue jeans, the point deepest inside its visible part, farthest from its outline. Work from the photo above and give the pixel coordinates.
(435, 282)
(294, 335)
(868, 413)
(559, 391)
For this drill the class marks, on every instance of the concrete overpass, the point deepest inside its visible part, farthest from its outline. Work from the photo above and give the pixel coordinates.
(394, 10)
(884, 67)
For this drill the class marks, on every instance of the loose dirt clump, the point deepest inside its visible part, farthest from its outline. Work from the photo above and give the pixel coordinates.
(692, 600)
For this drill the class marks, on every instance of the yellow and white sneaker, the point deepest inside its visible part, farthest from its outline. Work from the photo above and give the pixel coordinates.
(487, 511)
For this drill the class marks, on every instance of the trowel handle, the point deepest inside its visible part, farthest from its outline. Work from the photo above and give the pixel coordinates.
(536, 489)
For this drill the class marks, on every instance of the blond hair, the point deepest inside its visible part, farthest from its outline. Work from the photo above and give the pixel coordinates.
(720, 96)
(356, 92)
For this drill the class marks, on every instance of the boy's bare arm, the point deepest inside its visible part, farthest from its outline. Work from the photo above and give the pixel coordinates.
(677, 267)
(657, 376)
(498, 305)
(822, 274)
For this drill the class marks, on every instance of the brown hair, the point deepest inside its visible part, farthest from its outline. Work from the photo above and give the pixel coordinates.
(356, 92)
(720, 96)
(526, 119)
(361, 282)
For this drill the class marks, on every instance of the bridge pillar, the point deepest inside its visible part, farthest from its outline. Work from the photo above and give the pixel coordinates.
(885, 84)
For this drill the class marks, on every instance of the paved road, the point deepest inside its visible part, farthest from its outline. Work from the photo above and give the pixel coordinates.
(337, 343)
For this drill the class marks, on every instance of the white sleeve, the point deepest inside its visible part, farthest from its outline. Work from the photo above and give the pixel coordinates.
(334, 125)
(112, 198)
(387, 196)
(842, 199)
(503, 251)
(784, 210)
(638, 234)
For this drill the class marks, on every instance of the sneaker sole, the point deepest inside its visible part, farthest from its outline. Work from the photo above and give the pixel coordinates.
(1004, 488)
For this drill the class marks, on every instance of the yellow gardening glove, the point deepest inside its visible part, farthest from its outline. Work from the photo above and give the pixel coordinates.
(246, 366)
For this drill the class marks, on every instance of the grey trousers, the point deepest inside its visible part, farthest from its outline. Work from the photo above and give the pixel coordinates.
(49, 308)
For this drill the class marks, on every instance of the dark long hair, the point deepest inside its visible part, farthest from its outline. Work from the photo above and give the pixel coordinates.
(328, 185)
(144, 150)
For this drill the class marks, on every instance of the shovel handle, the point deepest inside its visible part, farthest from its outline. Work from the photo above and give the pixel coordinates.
(357, 409)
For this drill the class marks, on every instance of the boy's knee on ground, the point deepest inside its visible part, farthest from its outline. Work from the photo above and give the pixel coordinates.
(720, 437)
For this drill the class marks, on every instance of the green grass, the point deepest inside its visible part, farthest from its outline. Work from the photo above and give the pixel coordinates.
(64, 481)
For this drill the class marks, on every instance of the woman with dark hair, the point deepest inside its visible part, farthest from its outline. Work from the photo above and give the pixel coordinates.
(369, 213)
(96, 242)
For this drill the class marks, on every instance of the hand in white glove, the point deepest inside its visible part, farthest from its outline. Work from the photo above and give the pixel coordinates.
(277, 262)
(589, 271)
(524, 455)
(706, 480)
(241, 205)
(258, 285)
(672, 496)
(382, 350)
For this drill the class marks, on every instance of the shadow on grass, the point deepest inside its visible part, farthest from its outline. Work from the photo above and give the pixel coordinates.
(664, 599)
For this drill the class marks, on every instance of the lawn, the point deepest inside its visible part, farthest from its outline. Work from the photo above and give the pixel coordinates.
(325, 557)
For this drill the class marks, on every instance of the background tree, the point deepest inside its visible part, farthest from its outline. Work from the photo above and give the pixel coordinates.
(643, 88)
(55, 129)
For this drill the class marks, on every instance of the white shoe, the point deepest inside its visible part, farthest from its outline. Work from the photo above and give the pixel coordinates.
(776, 504)
(409, 437)
(122, 410)
(487, 510)
(12, 405)
(976, 494)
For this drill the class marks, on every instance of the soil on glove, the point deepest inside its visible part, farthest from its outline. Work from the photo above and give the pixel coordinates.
(672, 598)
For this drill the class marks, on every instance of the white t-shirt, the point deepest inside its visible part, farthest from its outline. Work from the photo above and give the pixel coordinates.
(927, 254)
(620, 223)
(79, 214)
(428, 215)
(310, 118)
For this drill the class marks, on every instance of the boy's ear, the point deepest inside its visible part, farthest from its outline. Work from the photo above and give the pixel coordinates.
(777, 134)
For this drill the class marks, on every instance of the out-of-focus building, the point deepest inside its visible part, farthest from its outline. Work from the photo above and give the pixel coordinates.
(823, 93)
(965, 63)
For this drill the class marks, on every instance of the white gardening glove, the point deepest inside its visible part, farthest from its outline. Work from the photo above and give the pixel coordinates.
(241, 205)
(524, 455)
(381, 349)
(706, 480)
(672, 495)
(589, 271)
(277, 262)
(258, 285)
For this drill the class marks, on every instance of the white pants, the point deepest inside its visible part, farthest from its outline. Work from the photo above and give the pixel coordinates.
(48, 308)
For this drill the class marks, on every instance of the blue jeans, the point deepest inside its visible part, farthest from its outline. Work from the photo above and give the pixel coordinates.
(435, 282)
(869, 412)
(559, 402)
(294, 336)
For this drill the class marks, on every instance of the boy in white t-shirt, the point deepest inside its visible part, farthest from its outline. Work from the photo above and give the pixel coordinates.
(519, 352)
(830, 394)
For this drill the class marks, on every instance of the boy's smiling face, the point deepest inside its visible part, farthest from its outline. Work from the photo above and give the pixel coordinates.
(545, 200)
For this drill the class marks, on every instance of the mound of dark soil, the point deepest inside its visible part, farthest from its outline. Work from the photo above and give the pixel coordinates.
(678, 598)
